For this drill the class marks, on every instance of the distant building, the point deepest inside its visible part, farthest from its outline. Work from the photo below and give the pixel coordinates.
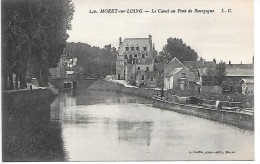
(177, 75)
(135, 62)
(199, 69)
(236, 72)
(247, 85)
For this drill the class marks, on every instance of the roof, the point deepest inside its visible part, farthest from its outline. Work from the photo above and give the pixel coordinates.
(247, 80)
(234, 71)
(199, 64)
(244, 66)
(134, 42)
(174, 63)
(175, 71)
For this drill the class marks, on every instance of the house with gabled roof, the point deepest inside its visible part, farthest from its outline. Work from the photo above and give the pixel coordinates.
(176, 75)
(247, 85)
(135, 62)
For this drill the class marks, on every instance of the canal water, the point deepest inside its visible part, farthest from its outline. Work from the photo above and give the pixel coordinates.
(84, 125)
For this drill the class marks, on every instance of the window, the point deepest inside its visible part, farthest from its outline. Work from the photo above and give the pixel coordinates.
(151, 78)
(124, 63)
(146, 54)
(147, 68)
(137, 48)
(127, 48)
(131, 56)
(138, 68)
(145, 48)
(143, 55)
(183, 74)
(125, 57)
(142, 77)
(135, 55)
(132, 48)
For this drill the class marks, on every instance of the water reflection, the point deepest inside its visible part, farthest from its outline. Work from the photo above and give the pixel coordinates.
(29, 134)
(113, 126)
(135, 132)
(96, 126)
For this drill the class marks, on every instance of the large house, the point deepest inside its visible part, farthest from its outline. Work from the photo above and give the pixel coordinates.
(135, 62)
(177, 75)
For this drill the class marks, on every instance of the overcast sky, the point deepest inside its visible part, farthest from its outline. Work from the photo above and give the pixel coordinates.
(226, 36)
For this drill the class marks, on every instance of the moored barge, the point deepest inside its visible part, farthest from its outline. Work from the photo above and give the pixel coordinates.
(238, 117)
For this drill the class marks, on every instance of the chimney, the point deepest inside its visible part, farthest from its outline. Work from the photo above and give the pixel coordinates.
(154, 50)
(150, 37)
(229, 62)
(214, 60)
(150, 45)
(241, 62)
(120, 41)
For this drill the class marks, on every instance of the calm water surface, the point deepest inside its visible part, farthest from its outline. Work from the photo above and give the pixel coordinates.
(112, 126)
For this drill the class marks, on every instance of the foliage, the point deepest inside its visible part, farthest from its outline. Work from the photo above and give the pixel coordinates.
(91, 61)
(176, 48)
(220, 72)
(33, 37)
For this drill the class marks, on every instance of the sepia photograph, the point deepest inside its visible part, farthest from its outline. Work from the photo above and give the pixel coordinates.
(128, 81)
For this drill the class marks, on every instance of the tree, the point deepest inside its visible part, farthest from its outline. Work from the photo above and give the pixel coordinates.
(33, 37)
(176, 48)
(92, 61)
(220, 72)
(210, 76)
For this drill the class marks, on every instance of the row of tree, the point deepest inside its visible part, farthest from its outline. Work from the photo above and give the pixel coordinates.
(215, 75)
(34, 34)
(175, 47)
(91, 61)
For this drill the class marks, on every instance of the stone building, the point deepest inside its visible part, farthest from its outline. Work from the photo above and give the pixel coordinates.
(135, 62)
(176, 75)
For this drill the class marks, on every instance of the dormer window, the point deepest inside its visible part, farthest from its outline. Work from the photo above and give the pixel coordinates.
(131, 56)
(137, 48)
(125, 56)
(127, 48)
(135, 55)
(145, 48)
(132, 48)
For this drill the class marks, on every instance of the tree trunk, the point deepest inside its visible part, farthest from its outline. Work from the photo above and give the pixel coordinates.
(22, 81)
(16, 81)
(4, 81)
(43, 79)
(11, 83)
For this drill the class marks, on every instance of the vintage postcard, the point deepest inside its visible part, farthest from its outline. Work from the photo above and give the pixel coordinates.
(120, 80)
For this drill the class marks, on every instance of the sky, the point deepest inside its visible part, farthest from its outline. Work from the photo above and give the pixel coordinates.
(224, 36)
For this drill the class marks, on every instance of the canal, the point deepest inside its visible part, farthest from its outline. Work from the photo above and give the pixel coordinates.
(84, 125)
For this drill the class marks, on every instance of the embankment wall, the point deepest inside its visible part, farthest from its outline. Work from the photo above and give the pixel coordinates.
(104, 85)
(241, 120)
(21, 99)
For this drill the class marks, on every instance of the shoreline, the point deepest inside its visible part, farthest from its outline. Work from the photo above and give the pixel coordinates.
(241, 120)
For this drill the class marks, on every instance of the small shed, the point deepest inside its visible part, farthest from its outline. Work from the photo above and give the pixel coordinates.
(247, 85)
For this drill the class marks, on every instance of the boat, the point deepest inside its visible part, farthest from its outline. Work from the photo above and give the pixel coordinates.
(223, 113)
